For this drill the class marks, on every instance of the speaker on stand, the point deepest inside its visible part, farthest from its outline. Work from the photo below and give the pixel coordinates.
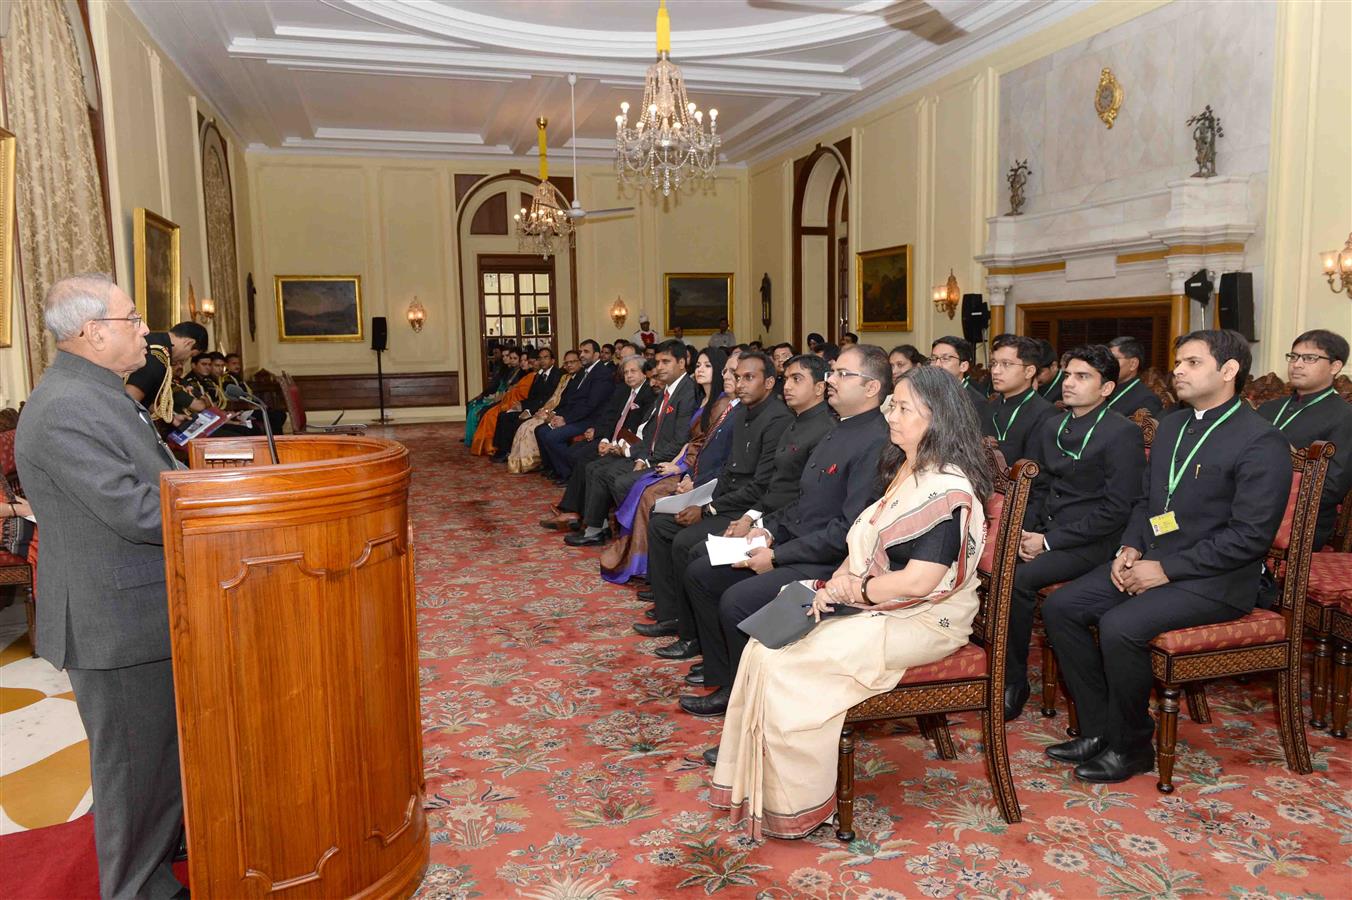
(976, 318)
(1234, 307)
(380, 336)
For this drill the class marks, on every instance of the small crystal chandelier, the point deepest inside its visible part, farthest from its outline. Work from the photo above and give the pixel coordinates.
(547, 222)
(669, 143)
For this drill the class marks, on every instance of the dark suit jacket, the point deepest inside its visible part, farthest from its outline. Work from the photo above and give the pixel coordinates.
(585, 396)
(615, 406)
(1051, 392)
(1329, 419)
(674, 430)
(838, 482)
(90, 463)
(1134, 395)
(795, 446)
(751, 460)
(1019, 423)
(1083, 505)
(542, 389)
(1228, 503)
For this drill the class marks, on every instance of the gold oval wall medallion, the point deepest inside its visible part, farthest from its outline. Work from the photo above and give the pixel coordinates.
(1108, 97)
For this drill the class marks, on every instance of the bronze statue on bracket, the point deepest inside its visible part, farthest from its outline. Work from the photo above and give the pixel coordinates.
(1206, 128)
(1018, 180)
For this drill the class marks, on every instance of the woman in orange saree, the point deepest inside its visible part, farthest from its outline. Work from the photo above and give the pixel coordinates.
(483, 434)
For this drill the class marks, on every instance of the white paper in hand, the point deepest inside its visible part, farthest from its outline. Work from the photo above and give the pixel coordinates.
(724, 551)
(677, 502)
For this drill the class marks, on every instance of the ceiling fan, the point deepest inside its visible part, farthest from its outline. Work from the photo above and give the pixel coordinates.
(576, 212)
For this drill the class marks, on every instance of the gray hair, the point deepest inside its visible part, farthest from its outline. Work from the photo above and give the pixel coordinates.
(633, 360)
(73, 301)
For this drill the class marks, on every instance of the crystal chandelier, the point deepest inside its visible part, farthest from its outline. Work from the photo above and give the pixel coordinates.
(547, 223)
(669, 143)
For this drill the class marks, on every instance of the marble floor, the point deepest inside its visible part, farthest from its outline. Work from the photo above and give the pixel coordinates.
(44, 756)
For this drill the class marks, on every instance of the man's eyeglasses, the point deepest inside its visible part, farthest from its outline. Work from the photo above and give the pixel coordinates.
(846, 373)
(945, 359)
(1307, 358)
(1003, 363)
(135, 319)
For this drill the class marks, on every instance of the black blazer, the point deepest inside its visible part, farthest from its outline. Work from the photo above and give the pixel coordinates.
(674, 431)
(1329, 419)
(1133, 395)
(1229, 502)
(542, 389)
(839, 481)
(585, 395)
(1083, 505)
(795, 446)
(751, 462)
(615, 407)
(1020, 423)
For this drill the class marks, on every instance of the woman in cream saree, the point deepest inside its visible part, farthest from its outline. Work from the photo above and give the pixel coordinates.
(525, 453)
(911, 569)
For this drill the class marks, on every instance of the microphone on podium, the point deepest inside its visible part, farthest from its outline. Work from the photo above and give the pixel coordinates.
(235, 392)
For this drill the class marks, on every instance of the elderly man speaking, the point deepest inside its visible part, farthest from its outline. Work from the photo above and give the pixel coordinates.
(89, 459)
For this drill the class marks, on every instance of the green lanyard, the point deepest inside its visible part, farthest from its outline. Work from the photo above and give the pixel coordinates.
(1291, 418)
(1175, 470)
(1054, 382)
(1123, 392)
(1001, 435)
(1084, 444)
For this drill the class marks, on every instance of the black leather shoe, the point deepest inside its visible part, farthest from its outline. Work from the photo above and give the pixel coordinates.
(695, 678)
(1016, 696)
(657, 629)
(575, 525)
(697, 668)
(1078, 750)
(650, 613)
(708, 706)
(679, 650)
(1112, 766)
(645, 594)
(580, 539)
(710, 756)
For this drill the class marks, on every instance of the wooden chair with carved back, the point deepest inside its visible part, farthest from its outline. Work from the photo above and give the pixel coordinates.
(1330, 589)
(1340, 625)
(15, 571)
(969, 680)
(1262, 641)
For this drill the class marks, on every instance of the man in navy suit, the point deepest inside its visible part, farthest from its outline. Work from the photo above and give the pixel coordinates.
(578, 408)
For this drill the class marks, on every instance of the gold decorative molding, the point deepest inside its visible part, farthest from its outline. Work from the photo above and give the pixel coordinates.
(1108, 97)
(1028, 269)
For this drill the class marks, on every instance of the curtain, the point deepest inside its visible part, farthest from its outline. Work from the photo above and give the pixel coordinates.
(220, 215)
(58, 197)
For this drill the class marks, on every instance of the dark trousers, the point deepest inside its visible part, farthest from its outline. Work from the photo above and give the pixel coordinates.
(128, 714)
(1051, 567)
(1110, 679)
(505, 431)
(575, 492)
(608, 481)
(670, 549)
(721, 597)
(554, 446)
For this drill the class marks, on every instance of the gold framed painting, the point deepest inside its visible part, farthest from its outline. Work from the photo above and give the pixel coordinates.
(697, 301)
(7, 146)
(156, 246)
(319, 308)
(883, 289)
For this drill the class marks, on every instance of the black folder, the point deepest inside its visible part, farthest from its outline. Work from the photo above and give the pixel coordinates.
(787, 618)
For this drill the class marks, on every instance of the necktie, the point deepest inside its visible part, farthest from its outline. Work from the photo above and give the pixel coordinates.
(624, 414)
(657, 422)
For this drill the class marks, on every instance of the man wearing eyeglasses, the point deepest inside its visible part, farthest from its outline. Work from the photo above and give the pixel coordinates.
(1016, 411)
(90, 461)
(955, 356)
(1314, 412)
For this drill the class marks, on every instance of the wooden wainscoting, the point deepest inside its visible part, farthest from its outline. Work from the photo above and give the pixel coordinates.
(1154, 321)
(406, 389)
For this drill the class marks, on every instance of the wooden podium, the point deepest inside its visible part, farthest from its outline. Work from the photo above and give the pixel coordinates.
(291, 608)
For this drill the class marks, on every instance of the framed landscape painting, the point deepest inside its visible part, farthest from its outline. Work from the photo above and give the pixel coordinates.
(697, 301)
(319, 308)
(155, 246)
(883, 289)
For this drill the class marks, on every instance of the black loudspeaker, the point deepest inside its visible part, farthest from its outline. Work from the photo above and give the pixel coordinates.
(1199, 287)
(976, 315)
(380, 334)
(1234, 310)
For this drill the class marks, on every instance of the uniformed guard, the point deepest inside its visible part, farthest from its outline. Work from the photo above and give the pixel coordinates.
(1315, 412)
(1214, 492)
(152, 385)
(807, 538)
(1132, 393)
(1090, 460)
(1016, 410)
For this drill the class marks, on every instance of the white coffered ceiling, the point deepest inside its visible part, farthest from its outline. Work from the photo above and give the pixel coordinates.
(467, 78)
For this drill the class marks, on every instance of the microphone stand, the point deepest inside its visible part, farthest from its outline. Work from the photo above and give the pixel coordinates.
(234, 392)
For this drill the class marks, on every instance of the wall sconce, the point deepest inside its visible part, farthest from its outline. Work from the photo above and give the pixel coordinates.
(206, 308)
(417, 315)
(1338, 268)
(618, 311)
(947, 295)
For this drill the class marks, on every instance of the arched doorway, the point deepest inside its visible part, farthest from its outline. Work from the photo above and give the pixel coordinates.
(821, 241)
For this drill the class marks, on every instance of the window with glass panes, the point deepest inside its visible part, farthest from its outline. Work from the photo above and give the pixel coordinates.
(517, 301)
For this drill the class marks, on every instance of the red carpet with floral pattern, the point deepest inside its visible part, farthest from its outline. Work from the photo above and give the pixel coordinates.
(558, 765)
